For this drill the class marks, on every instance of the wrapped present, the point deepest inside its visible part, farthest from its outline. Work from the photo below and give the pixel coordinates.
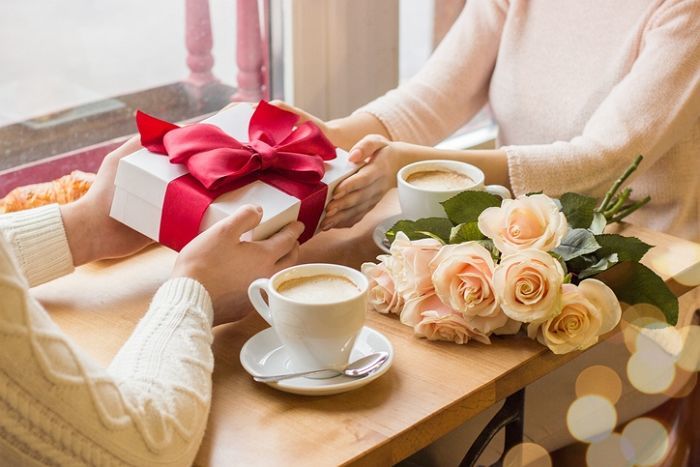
(188, 178)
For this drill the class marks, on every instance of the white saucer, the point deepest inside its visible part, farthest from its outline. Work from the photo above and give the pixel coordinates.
(379, 234)
(264, 354)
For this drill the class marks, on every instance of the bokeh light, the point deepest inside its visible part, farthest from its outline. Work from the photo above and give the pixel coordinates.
(527, 454)
(689, 358)
(666, 264)
(648, 439)
(659, 336)
(651, 371)
(683, 383)
(591, 418)
(612, 451)
(635, 319)
(599, 380)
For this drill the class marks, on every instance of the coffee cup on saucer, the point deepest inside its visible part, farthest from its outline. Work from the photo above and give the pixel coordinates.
(316, 310)
(423, 185)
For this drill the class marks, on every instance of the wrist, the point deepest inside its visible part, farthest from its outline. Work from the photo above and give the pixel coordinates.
(80, 233)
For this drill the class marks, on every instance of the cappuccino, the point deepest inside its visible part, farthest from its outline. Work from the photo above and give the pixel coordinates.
(321, 288)
(440, 180)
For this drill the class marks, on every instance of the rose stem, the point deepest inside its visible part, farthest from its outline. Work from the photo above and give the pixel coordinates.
(621, 200)
(629, 210)
(608, 196)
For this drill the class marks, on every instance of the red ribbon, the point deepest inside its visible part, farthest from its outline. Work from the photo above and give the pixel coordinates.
(279, 153)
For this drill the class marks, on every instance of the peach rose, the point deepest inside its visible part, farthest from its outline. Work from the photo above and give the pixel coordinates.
(525, 222)
(588, 311)
(410, 265)
(528, 284)
(432, 319)
(382, 296)
(462, 276)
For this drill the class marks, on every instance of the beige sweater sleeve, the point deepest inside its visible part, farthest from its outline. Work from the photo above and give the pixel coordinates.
(452, 86)
(61, 408)
(647, 112)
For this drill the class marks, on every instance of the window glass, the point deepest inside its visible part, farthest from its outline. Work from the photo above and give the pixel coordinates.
(73, 72)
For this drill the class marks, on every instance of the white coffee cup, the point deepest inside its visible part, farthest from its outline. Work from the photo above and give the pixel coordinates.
(419, 202)
(316, 335)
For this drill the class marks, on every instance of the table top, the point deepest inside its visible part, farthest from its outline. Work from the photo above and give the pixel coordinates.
(431, 388)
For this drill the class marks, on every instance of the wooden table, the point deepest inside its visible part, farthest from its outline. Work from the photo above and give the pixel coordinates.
(431, 388)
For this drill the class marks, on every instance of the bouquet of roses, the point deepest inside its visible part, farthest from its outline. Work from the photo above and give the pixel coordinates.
(494, 264)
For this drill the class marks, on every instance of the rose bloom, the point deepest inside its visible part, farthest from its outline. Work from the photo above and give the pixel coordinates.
(382, 295)
(432, 319)
(587, 312)
(528, 284)
(463, 280)
(525, 222)
(410, 265)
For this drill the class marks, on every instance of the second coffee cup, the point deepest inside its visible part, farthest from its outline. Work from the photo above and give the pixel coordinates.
(424, 185)
(316, 310)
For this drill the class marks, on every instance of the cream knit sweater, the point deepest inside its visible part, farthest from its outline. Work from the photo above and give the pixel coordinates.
(57, 406)
(578, 89)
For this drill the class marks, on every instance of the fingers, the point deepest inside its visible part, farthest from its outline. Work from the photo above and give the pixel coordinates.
(283, 242)
(352, 215)
(304, 116)
(244, 219)
(358, 181)
(366, 147)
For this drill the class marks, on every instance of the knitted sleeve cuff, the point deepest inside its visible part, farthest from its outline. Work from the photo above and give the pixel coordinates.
(39, 242)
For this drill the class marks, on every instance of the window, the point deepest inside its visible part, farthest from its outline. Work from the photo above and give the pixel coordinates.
(74, 72)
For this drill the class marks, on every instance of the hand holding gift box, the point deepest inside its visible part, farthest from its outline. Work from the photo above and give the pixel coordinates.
(188, 178)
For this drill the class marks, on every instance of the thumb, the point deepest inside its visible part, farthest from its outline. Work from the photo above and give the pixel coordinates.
(244, 219)
(366, 147)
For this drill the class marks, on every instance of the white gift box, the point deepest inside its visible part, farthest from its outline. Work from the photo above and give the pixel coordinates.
(142, 178)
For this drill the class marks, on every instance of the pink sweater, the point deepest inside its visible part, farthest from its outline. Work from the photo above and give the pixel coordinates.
(578, 90)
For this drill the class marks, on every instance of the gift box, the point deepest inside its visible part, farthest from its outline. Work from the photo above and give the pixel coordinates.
(186, 179)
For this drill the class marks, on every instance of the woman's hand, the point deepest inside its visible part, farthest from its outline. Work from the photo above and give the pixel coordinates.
(91, 233)
(360, 192)
(225, 265)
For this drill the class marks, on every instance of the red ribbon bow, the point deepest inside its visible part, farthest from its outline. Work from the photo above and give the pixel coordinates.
(289, 157)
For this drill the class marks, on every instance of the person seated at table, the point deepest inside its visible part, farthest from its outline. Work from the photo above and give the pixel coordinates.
(577, 90)
(150, 406)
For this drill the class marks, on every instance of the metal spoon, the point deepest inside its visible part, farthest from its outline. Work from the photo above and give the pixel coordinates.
(360, 367)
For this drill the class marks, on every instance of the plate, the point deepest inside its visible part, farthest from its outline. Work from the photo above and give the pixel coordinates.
(379, 234)
(264, 354)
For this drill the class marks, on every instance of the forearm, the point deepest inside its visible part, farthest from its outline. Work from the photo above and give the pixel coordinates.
(80, 234)
(345, 132)
(493, 162)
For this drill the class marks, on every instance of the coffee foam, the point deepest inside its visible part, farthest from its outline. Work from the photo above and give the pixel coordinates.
(440, 179)
(321, 288)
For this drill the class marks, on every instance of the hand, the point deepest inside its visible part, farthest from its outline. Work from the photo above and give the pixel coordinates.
(225, 265)
(91, 233)
(360, 192)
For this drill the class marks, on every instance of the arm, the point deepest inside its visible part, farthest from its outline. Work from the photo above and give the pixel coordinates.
(647, 112)
(449, 89)
(151, 405)
(61, 406)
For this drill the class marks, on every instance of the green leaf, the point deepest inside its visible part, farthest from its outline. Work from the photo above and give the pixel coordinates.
(415, 230)
(577, 242)
(627, 248)
(634, 283)
(466, 233)
(598, 224)
(578, 209)
(466, 206)
(491, 247)
(534, 193)
(602, 265)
